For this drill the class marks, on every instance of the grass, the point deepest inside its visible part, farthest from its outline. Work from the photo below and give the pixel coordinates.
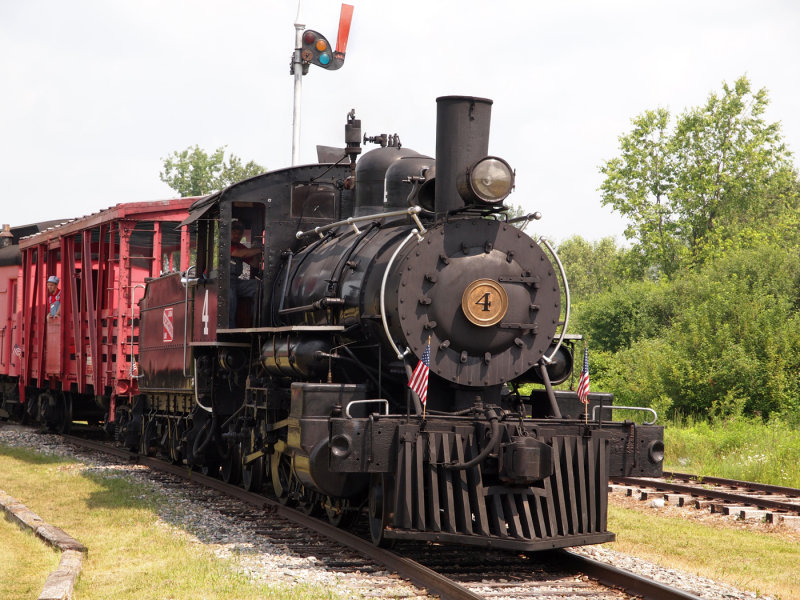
(25, 562)
(132, 554)
(765, 563)
(746, 449)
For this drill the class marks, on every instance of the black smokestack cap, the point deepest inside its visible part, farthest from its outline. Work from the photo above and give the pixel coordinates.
(462, 137)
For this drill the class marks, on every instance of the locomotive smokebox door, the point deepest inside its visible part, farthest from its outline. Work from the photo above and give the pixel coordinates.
(487, 296)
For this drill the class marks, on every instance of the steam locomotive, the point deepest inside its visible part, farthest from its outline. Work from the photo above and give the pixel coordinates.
(282, 356)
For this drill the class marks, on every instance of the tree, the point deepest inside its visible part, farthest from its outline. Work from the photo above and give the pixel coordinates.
(192, 172)
(722, 167)
(726, 158)
(592, 267)
(638, 185)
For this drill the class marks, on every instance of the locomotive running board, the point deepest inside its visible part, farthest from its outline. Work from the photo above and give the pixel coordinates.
(284, 329)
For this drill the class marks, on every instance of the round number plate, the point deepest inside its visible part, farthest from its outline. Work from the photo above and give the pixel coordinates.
(484, 302)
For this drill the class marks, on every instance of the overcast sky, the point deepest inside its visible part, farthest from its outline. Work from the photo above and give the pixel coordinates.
(96, 93)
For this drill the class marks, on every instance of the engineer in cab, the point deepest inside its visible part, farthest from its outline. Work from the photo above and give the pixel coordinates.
(240, 286)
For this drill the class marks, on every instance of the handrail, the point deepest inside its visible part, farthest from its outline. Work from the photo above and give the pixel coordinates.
(196, 397)
(399, 354)
(615, 407)
(186, 282)
(381, 400)
(133, 297)
(411, 212)
(549, 359)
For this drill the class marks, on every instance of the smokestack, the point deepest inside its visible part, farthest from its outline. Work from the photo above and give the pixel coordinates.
(462, 137)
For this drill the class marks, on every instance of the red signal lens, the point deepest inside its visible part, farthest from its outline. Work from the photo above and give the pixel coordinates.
(309, 37)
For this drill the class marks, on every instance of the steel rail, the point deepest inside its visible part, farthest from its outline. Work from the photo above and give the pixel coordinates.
(630, 582)
(749, 485)
(692, 490)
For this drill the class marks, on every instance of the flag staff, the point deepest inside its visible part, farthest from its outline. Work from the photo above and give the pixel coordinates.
(418, 382)
(583, 385)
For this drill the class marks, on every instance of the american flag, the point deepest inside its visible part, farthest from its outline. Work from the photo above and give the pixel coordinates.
(419, 378)
(583, 382)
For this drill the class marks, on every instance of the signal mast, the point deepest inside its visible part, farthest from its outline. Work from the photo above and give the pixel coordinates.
(311, 47)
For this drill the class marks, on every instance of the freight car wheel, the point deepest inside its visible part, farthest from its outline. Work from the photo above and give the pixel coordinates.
(65, 421)
(58, 413)
(55, 411)
(379, 511)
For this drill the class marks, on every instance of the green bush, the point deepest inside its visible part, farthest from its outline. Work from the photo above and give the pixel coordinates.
(717, 342)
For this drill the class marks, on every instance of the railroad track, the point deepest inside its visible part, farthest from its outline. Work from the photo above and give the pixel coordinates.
(744, 499)
(447, 571)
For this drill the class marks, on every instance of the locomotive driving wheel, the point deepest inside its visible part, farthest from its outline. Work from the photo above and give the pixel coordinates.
(252, 473)
(232, 464)
(340, 512)
(282, 478)
(176, 432)
(379, 512)
(147, 446)
(231, 459)
(309, 503)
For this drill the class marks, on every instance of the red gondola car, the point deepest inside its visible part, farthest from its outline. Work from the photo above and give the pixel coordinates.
(10, 319)
(75, 366)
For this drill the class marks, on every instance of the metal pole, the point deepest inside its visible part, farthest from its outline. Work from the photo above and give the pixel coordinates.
(297, 67)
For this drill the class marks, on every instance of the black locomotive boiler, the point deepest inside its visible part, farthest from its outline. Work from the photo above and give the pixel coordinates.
(282, 357)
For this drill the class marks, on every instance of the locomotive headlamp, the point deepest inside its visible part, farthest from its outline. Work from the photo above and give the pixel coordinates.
(488, 181)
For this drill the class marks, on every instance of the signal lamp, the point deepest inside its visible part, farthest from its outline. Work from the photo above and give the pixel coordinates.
(489, 181)
(316, 50)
